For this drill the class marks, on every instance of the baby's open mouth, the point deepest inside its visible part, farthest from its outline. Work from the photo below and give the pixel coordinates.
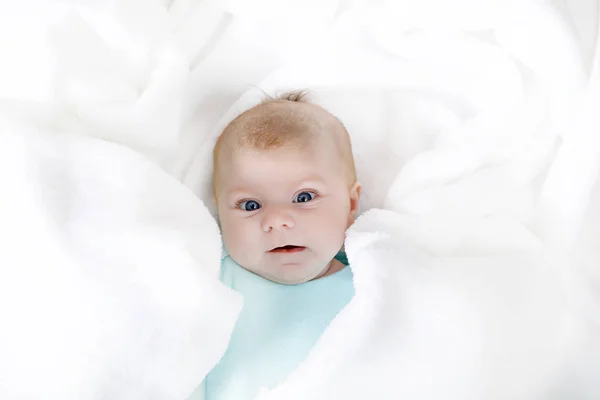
(287, 249)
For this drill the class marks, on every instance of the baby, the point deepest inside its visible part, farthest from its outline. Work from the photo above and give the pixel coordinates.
(285, 188)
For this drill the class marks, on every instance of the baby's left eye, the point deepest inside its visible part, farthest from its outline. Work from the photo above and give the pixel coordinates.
(303, 197)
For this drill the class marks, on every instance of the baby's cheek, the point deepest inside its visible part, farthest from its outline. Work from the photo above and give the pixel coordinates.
(230, 235)
(336, 228)
(245, 236)
(236, 234)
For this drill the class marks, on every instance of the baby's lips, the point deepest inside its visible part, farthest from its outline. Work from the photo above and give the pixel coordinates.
(288, 248)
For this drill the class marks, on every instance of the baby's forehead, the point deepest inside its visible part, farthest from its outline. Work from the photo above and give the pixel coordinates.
(282, 124)
(276, 169)
(275, 123)
(299, 157)
(270, 127)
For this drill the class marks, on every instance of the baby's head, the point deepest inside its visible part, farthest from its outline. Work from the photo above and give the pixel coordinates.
(285, 187)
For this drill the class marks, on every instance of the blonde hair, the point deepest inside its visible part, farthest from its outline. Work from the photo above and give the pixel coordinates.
(272, 124)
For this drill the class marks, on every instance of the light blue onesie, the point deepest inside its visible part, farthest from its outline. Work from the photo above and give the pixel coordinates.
(276, 329)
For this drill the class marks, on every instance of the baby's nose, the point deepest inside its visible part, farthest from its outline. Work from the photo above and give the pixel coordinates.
(277, 218)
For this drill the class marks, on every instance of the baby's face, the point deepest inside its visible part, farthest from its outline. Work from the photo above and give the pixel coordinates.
(284, 212)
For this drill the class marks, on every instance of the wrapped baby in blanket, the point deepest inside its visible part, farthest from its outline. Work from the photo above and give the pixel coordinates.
(285, 188)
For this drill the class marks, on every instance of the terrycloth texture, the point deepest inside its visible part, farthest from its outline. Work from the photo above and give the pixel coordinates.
(277, 328)
(104, 290)
(474, 124)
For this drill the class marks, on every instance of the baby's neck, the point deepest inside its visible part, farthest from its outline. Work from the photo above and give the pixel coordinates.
(333, 267)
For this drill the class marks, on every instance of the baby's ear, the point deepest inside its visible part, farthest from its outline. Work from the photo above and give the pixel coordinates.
(354, 198)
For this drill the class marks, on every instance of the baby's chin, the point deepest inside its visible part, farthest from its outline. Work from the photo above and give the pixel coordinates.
(295, 278)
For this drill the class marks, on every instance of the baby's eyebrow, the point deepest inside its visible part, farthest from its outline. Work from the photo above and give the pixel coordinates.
(240, 191)
(237, 192)
(234, 193)
(312, 181)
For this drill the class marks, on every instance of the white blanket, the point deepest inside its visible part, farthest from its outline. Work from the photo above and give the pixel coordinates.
(109, 272)
(476, 138)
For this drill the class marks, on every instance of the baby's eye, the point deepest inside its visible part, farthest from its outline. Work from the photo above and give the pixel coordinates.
(249, 205)
(303, 197)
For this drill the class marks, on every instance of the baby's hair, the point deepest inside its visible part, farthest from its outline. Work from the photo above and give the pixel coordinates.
(267, 125)
(272, 124)
(298, 96)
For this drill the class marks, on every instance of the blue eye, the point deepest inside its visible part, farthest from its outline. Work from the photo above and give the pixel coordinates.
(303, 197)
(249, 205)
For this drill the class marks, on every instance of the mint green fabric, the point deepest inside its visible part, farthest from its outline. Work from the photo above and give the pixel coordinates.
(276, 329)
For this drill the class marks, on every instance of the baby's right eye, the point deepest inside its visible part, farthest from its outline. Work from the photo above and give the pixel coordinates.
(249, 205)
